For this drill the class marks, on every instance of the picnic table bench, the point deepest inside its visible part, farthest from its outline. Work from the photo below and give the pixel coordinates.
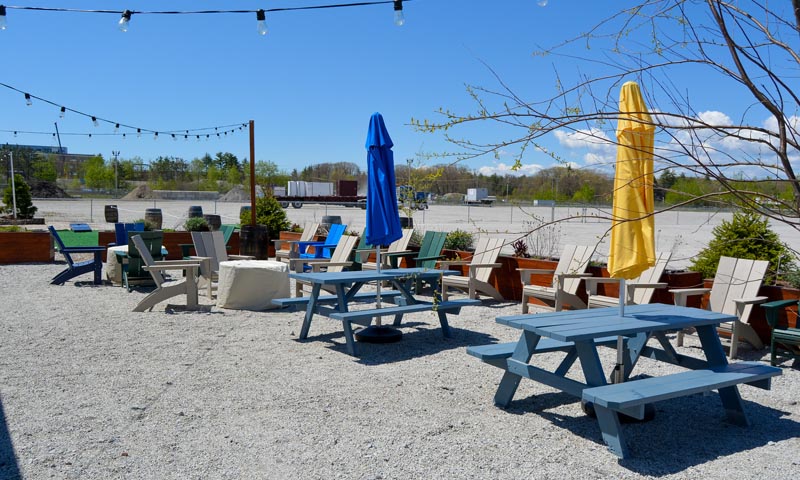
(364, 317)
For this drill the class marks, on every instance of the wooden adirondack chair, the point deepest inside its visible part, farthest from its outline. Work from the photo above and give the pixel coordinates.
(567, 277)
(165, 290)
(734, 291)
(286, 249)
(210, 249)
(121, 231)
(637, 291)
(339, 261)
(480, 268)
(398, 246)
(95, 265)
(322, 249)
(133, 272)
(784, 341)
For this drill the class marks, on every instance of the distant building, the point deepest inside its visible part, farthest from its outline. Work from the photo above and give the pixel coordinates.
(67, 164)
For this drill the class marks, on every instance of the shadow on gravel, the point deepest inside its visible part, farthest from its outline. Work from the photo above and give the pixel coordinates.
(8, 461)
(687, 431)
(420, 339)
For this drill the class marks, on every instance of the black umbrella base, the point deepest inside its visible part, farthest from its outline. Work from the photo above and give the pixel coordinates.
(649, 413)
(379, 334)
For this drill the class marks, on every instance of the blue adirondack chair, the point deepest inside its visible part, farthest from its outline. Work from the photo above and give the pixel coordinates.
(95, 265)
(323, 249)
(121, 232)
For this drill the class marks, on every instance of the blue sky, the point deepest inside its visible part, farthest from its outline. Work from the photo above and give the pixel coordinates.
(310, 85)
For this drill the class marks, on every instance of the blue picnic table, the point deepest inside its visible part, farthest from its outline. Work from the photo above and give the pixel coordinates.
(347, 287)
(579, 333)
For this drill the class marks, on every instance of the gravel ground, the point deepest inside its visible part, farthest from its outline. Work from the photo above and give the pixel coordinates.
(91, 390)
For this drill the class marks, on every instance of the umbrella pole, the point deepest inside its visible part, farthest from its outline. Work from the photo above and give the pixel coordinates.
(378, 298)
(619, 368)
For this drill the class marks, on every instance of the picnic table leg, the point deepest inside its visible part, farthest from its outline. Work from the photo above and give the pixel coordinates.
(633, 349)
(311, 306)
(611, 431)
(731, 400)
(443, 323)
(510, 381)
(349, 339)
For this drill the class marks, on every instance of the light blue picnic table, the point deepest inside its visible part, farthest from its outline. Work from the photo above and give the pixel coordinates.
(579, 333)
(347, 287)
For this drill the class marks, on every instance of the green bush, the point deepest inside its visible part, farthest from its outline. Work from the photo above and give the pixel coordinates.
(148, 225)
(459, 240)
(196, 224)
(24, 201)
(269, 213)
(747, 235)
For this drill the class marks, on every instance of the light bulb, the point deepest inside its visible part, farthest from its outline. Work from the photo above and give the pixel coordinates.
(125, 20)
(174, 138)
(123, 136)
(542, 3)
(94, 122)
(15, 134)
(261, 22)
(116, 127)
(28, 100)
(155, 137)
(399, 18)
(63, 111)
(3, 23)
(138, 133)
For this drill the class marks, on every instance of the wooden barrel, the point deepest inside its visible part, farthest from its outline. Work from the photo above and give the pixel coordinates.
(213, 221)
(112, 214)
(195, 211)
(153, 215)
(253, 240)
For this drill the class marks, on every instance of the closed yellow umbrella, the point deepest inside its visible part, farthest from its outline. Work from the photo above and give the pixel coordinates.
(632, 233)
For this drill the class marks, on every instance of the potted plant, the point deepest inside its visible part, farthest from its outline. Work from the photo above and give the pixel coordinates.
(270, 221)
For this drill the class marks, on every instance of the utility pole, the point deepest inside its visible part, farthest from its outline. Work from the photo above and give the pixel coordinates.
(115, 153)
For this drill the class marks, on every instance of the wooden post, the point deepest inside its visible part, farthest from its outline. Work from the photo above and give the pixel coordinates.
(252, 173)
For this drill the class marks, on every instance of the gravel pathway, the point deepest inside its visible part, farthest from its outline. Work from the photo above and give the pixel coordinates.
(91, 390)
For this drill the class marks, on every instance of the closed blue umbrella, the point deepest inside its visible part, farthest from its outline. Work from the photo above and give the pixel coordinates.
(383, 218)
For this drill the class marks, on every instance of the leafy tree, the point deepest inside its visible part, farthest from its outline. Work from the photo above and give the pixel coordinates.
(224, 161)
(747, 235)
(584, 195)
(269, 213)
(24, 201)
(97, 174)
(44, 168)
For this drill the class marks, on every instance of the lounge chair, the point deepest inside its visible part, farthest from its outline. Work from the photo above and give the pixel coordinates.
(286, 249)
(322, 249)
(133, 272)
(121, 231)
(480, 268)
(784, 341)
(734, 291)
(638, 291)
(95, 265)
(339, 261)
(210, 249)
(167, 289)
(398, 246)
(567, 277)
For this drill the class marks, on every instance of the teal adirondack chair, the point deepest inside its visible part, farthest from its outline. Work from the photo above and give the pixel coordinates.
(133, 272)
(429, 253)
(323, 249)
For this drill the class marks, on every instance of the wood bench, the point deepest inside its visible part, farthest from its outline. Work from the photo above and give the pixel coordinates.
(298, 302)
(497, 353)
(364, 317)
(630, 397)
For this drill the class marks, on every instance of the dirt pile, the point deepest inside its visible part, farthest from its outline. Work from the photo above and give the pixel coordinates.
(43, 189)
(142, 191)
(236, 194)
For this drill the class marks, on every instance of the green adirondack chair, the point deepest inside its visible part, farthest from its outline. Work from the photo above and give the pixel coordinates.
(133, 272)
(429, 253)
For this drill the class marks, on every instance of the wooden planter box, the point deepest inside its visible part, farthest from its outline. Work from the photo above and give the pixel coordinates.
(26, 247)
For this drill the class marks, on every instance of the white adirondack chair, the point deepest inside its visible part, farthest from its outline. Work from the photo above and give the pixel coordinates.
(210, 250)
(340, 259)
(638, 291)
(480, 268)
(164, 290)
(567, 276)
(286, 249)
(735, 291)
(398, 246)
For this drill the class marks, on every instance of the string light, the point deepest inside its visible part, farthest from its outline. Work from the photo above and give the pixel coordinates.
(138, 133)
(28, 101)
(125, 21)
(399, 18)
(261, 24)
(116, 127)
(62, 112)
(94, 122)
